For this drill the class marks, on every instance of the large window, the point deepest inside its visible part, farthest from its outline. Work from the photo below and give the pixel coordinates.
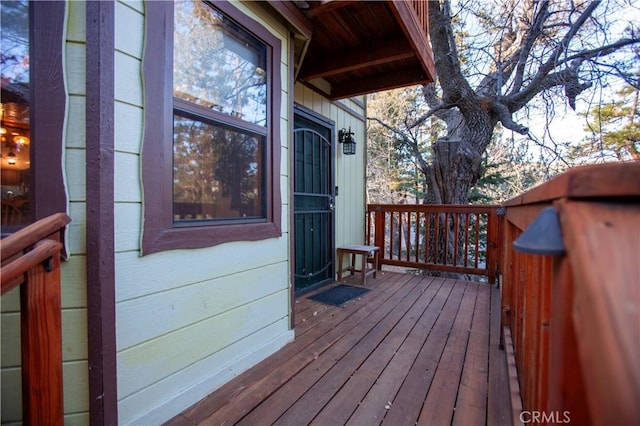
(14, 113)
(216, 112)
(31, 112)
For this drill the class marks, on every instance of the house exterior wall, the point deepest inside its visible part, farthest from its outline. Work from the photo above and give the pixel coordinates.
(187, 321)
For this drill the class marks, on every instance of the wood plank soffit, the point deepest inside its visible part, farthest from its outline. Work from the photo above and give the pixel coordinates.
(358, 58)
(326, 6)
(401, 78)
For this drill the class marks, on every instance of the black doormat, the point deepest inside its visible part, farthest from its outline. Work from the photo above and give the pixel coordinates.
(338, 296)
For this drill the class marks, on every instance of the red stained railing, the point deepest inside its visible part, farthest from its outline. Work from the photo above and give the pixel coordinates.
(448, 238)
(31, 261)
(572, 321)
(421, 8)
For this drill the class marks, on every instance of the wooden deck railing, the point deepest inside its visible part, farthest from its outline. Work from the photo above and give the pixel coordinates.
(421, 8)
(31, 260)
(448, 238)
(574, 320)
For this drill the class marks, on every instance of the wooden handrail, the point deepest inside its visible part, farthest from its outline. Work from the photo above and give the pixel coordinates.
(42, 251)
(31, 260)
(448, 238)
(29, 235)
(574, 318)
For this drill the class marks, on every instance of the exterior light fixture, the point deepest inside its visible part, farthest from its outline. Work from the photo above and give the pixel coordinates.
(543, 236)
(348, 142)
(11, 161)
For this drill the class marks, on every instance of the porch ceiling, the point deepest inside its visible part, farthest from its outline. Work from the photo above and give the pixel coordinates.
(362, 47)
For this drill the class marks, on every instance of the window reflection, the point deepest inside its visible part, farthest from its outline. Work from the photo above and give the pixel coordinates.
(217, 172)
(14, 113)
(217, 64)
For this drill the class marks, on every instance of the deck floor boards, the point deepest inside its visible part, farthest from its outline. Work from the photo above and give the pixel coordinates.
(413, 350)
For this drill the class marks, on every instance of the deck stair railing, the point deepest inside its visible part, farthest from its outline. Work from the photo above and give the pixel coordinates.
(31, 261)
(572, 321)
(460, 239)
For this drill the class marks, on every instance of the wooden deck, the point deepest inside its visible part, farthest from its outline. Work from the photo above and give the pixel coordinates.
(413, 350)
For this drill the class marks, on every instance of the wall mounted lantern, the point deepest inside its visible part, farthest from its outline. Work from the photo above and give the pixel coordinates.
(348, 142)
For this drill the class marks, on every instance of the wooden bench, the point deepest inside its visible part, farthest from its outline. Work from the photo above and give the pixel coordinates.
(366, 252)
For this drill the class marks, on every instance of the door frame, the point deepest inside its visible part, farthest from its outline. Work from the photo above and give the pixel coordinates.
(315, 117)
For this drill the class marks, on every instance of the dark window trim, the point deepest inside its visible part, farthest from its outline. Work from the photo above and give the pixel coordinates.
(159, 232)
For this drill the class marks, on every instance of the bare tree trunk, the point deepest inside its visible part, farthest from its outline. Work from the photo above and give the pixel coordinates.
(454, 170)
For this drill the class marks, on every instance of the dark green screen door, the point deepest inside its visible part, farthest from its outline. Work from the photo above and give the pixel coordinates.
(313, 203)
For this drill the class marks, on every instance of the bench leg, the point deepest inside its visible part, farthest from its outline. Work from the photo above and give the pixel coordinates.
(340, 255)
(375, 263)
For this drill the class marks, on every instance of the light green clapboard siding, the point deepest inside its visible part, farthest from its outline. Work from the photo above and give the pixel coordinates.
(74, 324)
(138, 277)
(209, 373)
(168, 354)
(127, 172)
(129, 42)
(188, 320)
(127, 127)
(74, 341)
(191, 304)
(73, 291)
(74, 376)
(76, 118)
(127, 222)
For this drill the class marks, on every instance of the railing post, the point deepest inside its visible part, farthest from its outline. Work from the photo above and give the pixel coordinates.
(379, 231)
(493, 245)
(41, 328)
(31, 260)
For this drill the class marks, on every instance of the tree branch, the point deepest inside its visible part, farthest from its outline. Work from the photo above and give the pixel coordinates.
(503, 114)
(533, 33)
(455, 86)
(532, 88)
(423, 118)
(601, 51)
